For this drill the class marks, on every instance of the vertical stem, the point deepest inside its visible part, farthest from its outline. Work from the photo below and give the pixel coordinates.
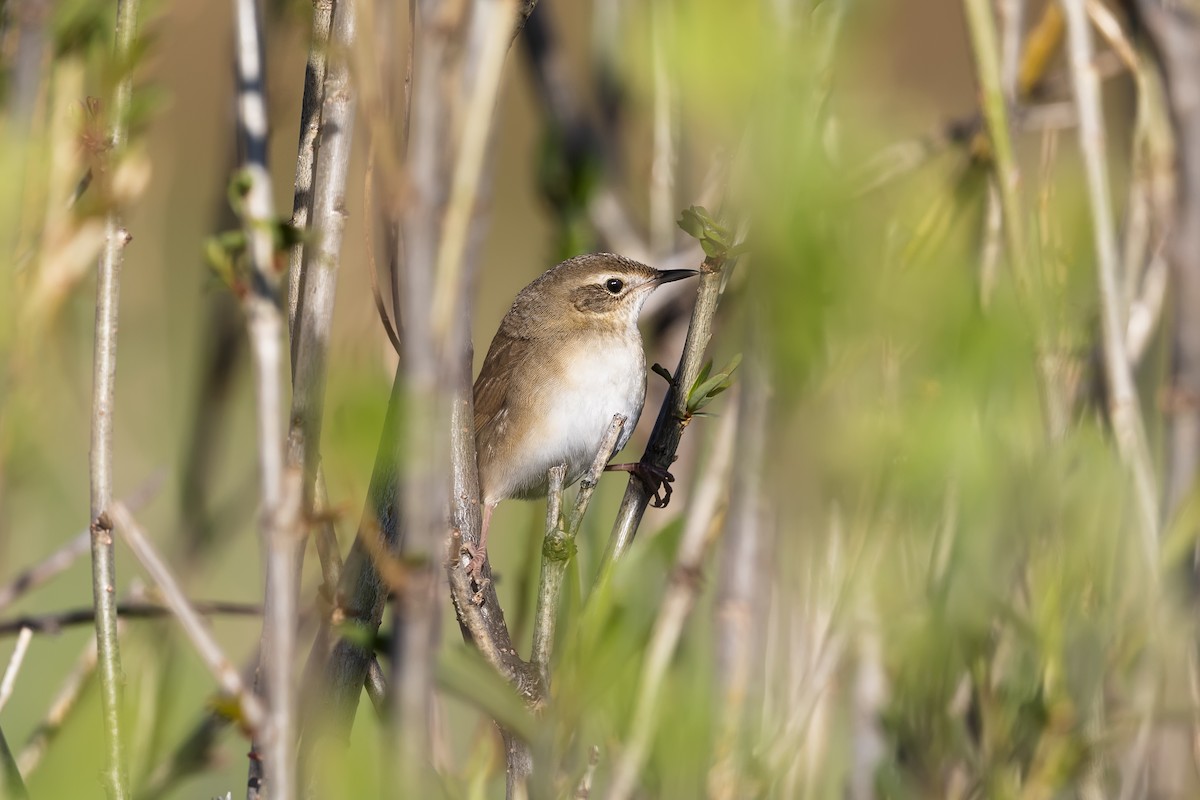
(559, 545)
(982, 29)
(108, 285)
(555, 552)
(1123, 406)
(280, 496)
(306, 155)
(662, 170)
(676, 606)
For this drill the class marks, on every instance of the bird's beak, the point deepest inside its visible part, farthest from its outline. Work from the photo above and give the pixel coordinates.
(669, 275)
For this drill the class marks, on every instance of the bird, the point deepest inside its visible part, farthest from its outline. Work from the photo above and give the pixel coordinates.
(567, 358)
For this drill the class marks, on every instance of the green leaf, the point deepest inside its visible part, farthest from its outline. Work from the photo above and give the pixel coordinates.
(239, 187)
(712, 249)
(706, 388)
(691, 223)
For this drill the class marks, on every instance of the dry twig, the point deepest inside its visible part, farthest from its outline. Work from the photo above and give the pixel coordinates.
(253, 713)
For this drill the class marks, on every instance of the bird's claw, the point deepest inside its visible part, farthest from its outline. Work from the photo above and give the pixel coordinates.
(477, 558)
(656, 480)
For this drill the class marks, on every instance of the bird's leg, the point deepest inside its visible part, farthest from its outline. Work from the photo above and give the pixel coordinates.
(478, 552)
(656, 479)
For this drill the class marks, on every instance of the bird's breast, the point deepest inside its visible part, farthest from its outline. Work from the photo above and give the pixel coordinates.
(566, 410)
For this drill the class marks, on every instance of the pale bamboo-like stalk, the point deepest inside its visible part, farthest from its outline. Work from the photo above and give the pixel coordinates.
(193, 625)
(14, 665)
(676, 606)
(390, 523)
(104, 365)
(315, 282)
(280, 506)
(1123, 406)
(414, 487)
(743, 581)
(476, 129)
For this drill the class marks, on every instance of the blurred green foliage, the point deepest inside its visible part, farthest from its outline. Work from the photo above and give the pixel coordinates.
(942, 578)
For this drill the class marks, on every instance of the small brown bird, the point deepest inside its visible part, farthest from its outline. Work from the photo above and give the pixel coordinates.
(566, 359)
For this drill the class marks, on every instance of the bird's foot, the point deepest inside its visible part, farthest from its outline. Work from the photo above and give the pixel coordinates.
(657, 480)
(477, 557)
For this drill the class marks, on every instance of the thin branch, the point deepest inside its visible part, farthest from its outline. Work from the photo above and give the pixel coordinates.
(982, 30)
(17, 659)
(108, 288)
(559, 546)
(227, 677)
(699, 531)
(281, 495)
(306, 155)
(673, 416)
(987, 58)
(556, 551)
(1173, 29)
(1145, 312)
(468, 168)
(55, 623)
(437, 336)
(61, 559)
(741, 587)
(310, 330)
(1124, 408)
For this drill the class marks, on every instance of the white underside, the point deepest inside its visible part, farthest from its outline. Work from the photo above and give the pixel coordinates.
(594, 383)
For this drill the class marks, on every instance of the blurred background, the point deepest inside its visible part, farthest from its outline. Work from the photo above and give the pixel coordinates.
(949, 595)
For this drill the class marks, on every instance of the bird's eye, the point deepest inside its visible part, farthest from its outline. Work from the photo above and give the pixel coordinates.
(614, 285)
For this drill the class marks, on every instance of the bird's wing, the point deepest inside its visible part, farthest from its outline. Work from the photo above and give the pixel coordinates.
(491, 387)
